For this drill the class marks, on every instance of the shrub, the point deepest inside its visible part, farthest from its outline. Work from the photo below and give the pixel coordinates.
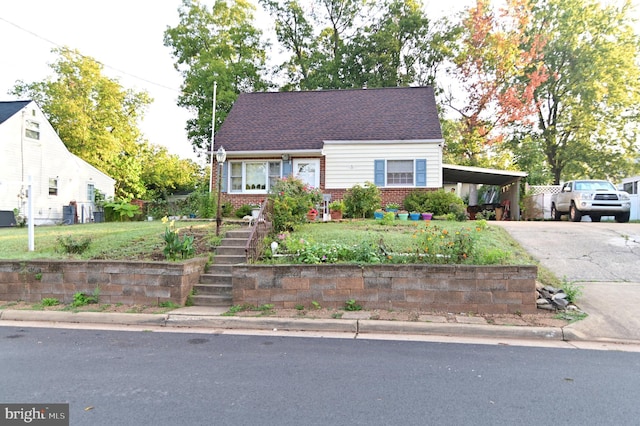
(243, 210)
(437, 202)
(292, 199)
(362, 201)
(72, 245)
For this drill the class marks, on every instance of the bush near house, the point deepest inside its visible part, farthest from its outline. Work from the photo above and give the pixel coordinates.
(437, 202)
(362, 201)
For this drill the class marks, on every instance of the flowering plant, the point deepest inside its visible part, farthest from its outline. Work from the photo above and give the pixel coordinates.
(174, 244)
(313, 211)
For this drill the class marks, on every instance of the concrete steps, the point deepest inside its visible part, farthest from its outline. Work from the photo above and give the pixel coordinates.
(214, 287)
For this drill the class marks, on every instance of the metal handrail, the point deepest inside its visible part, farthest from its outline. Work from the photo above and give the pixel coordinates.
(260, 228)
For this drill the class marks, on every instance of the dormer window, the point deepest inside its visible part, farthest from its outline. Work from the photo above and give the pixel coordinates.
(32, 129)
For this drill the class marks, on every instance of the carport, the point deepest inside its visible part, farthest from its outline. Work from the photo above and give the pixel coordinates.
(507, 180)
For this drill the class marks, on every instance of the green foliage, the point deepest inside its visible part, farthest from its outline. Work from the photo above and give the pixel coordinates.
(437, 245)
(351, 305)
(82, 299)
(437, 202)
(336, 206)
(95, 117)
(123, 209)
(571, 290)
(217, 43)
(175, 245)
(387, 219)
(168, 304)
(49, 301)
(292, 199)
(244, 210)
(362, 201)
(316, 305)
(74, 245)
(201, 203)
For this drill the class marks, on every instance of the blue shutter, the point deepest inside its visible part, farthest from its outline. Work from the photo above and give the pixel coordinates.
(378, 172)
(287, 168)
(225, 168)
(421, 172)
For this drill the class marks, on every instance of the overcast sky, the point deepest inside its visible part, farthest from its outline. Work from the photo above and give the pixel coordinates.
(126, 36)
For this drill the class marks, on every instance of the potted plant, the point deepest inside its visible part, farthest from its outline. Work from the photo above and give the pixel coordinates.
(378, 214)
(427, 216)
(312, 214)
(414, 215)
(392, 207)
(336, 208)
(403, 215)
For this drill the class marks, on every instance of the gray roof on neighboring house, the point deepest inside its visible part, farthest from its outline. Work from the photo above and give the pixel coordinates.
(10, 108)
(266, 121)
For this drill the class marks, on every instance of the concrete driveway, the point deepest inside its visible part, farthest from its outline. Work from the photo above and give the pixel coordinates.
(604, 259)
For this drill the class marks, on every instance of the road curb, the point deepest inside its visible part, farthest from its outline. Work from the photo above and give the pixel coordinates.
(253, 323)
(467, 330)
(84, 317)
(354, 326)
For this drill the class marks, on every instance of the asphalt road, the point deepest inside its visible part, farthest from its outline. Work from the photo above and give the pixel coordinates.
(602, 258)
(145, 378)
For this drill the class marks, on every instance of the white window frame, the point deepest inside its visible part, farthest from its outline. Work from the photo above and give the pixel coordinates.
(243, 189)
(32, 129)
(316, 162)
(53, 186)
(388, 181)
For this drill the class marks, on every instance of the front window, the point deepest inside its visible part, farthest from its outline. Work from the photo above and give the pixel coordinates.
(53, 186)
(399, 172)
(253, 176)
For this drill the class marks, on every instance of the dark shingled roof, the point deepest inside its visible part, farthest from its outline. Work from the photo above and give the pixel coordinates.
(8, 109)
(303, 120)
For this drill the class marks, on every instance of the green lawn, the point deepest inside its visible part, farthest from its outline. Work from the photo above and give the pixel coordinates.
(109, 240)
(139, 240)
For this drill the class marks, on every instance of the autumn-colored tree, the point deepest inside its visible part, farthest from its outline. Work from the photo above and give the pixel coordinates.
(499, 65)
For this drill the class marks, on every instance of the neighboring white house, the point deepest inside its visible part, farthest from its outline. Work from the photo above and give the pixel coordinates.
(631, 185)
(32, 151)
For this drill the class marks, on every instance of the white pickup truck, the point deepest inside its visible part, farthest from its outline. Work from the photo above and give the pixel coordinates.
(593, 198)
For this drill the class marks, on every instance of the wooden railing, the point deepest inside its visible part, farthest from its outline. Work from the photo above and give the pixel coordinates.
(259, 229)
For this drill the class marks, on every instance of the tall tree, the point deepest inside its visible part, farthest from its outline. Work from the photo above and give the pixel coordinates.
(588, 109)
(498, 63)
(215, 45)
(94, 115)
(335, 44)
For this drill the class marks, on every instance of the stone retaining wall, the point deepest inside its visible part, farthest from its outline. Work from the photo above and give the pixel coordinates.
(129, 283)
(438, 288)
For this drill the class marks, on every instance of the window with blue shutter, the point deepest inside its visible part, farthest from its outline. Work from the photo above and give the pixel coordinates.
(379, 172)
(421, 172)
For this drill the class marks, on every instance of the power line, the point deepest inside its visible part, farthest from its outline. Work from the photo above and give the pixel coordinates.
(34, 34)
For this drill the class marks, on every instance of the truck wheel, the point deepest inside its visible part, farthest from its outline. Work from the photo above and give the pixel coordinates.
(595, 218)
(623, 217)
(555, 214)
(574, 213)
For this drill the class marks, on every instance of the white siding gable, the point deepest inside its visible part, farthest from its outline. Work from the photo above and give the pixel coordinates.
(41, 159)
(348, 163)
